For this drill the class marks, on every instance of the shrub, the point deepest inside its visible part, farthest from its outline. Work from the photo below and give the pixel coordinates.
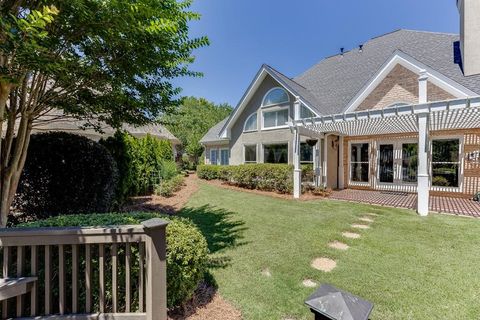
(66, 173)
(187, 251)
(142, 162)
(208, 172)
(267, 177)
(168, 187)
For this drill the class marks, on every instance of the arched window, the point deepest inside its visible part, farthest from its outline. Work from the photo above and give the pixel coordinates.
(251, 123)
(275, 96)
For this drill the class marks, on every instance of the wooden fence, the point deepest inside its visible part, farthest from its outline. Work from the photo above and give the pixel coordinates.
(85, 273)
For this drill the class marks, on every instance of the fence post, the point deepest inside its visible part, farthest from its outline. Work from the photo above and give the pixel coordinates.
(156, 290)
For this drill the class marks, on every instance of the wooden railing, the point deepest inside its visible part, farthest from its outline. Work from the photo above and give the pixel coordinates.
(88, 272)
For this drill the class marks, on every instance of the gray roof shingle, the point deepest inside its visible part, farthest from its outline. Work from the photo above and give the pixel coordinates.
(336, 80)
(213, 135)
(330, 85)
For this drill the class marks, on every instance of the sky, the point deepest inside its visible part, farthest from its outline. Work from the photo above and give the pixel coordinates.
(293, 35)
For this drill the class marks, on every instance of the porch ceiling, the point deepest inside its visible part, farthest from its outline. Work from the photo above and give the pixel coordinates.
(452, 114)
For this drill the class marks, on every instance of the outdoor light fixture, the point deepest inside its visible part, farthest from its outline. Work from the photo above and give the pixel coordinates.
(331, 303)
(312, 142)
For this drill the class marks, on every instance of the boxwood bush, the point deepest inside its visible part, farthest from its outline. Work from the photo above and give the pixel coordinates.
(262, 176)
(66, 173)
(187, 251)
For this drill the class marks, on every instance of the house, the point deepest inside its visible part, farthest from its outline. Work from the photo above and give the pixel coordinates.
(399, 113)
(56, 120)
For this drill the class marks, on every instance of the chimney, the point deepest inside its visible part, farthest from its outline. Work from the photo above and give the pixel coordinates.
(470, 35)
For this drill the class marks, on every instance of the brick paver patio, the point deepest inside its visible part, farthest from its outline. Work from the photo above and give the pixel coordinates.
(457, 206)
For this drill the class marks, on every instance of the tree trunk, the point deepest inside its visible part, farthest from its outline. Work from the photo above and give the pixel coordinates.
(13, 166)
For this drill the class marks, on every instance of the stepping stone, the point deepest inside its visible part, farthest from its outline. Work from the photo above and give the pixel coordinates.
(351, 235)
(324, 264)
(366, 219)
(309, 283)
(338, 245)
(266, 272)
(360, 226)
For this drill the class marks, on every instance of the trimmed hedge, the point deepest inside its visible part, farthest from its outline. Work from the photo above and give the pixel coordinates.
(187, 250)
(141, 162)
(266, 177)
(66, 173)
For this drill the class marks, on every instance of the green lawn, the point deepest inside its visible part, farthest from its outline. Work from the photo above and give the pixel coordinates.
(409, 267)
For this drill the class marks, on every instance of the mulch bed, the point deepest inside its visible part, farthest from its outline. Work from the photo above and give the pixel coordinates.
(169, 205)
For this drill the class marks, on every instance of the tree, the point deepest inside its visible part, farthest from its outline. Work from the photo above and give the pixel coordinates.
(108, 61)
(192, 120)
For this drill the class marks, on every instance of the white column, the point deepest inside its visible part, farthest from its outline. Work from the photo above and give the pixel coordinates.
(423, 187)
(325, 158)
(317, 163)
(296, 109)
(341, 169)
(422, 87)
(297, 171)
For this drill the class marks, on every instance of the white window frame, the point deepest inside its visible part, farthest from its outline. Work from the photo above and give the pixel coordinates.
(256, 123)
(275, 104)
(398, 156)
(274, 143)
(460, 139)
(218, 153)
(256, 153)
(359, 183)
(220, 156)
(313, 154)
(275, 109)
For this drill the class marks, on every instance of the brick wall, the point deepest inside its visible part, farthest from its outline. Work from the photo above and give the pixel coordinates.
(400, 85)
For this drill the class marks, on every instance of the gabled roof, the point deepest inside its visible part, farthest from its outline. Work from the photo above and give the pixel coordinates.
(333, 84)
(56, 120)
(336, 80)
(294, 88)
(213, 135)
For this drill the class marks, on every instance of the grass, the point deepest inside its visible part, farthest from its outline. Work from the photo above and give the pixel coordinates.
(410, 267)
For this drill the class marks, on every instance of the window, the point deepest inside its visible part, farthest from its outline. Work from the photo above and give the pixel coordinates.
(250, 154)
(276, 118)
(251, 123)
(306, 113)
(275, 96)
(213, 156)
(359, 162)
(306, 153)
(224, 155)
(275, 153)
(445, 162)
(409, 162)
(385, 159)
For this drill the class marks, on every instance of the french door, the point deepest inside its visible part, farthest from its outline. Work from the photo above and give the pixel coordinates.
(397, 162)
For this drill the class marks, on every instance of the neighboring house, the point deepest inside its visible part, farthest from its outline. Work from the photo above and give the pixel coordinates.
(399, 113)
(57, 121)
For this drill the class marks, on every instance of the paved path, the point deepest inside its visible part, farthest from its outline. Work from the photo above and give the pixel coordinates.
(457, 206)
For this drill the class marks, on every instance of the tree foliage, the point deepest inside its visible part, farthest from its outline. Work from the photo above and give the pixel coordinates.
(66, 174)
(109, 61)
(142, 162)
(192, 120)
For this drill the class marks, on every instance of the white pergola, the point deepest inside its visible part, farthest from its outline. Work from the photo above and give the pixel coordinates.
(421, 118)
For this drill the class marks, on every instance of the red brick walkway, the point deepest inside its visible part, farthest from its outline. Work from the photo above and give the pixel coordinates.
(457, 206)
